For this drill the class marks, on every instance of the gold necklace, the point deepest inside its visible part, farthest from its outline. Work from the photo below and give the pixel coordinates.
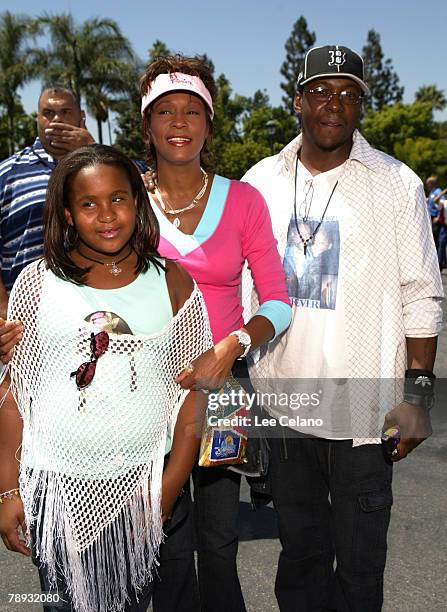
(190, 206)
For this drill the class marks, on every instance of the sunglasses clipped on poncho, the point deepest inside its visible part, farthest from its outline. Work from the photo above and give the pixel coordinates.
(86, 371)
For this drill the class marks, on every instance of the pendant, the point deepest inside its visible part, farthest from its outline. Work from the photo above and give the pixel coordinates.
(306, 243)
(176, 222)
(114, 269)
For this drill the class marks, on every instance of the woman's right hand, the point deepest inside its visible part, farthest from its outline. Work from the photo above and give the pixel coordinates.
(11, 332)
(12, 519)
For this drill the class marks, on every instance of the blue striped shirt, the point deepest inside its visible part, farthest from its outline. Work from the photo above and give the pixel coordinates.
(23, 185)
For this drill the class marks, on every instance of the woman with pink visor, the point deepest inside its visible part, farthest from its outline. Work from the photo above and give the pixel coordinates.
(211, 225)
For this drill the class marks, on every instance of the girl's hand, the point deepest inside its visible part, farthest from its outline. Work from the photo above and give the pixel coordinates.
(169, 495)
(212, 368)
(12, 519)
(11, 332)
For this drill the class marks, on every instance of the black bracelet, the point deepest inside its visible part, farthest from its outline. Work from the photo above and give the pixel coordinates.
(419, 388)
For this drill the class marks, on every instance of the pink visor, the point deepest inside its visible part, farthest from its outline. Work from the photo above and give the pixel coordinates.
(177, 81)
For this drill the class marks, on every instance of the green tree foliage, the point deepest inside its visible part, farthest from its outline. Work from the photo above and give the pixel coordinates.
(409, 133)
(17, 65)
(395, 124)
(383, 82)
(25, 130)
(158, 49)
(433, 95)
(242, 138)
(93, 58)
(299, 41)
(255, 126)
(128, 111)
(128, 123)
(228, 111)
(260, 98)
(442, 129)
(237, 157)
(425, 156)
(208, 61)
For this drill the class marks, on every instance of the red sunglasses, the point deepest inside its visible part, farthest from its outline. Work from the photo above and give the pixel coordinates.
(86, 371)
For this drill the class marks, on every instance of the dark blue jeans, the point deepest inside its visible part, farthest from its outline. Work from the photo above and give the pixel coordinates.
(216, 507)
(442, 244)
(216, 510)
(333, 503)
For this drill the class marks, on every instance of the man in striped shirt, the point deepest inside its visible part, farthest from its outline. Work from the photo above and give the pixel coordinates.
(23, 182)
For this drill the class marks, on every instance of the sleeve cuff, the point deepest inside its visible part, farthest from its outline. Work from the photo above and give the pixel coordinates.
(278, 313)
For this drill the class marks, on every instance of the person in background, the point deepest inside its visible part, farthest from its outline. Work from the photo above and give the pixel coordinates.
(24, 178)
(433, 192)
(440, 221)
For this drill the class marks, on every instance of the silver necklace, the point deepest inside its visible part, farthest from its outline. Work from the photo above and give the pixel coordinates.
(309, 240)
(306, 204)
(190, 206)
(113, 267)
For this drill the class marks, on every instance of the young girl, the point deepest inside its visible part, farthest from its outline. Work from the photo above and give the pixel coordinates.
(108, 326)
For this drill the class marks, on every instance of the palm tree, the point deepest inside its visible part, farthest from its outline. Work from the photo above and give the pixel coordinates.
(430, 93)
(17, 65)
(92, 58)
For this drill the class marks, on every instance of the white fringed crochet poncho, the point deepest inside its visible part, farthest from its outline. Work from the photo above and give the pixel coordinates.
(92, 460)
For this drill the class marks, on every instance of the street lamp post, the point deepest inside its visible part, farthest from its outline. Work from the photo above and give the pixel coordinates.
(271, 133)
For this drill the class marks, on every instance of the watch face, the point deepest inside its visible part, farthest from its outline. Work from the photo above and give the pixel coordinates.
(244, 338)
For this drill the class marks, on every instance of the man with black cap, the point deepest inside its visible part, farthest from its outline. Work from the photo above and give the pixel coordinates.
(355, 237)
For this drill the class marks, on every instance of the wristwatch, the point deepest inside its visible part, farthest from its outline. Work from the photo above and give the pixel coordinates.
(419, 388)
(244, 340)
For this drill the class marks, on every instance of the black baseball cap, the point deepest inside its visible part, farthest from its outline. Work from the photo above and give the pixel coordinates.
(330, 61)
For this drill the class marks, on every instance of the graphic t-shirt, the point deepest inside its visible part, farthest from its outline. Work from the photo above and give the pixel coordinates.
(313, 264)
(141, 307)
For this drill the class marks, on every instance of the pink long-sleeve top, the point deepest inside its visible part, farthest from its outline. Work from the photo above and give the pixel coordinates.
(235, 227)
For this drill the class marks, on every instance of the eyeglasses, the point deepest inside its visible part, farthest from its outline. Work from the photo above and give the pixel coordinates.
(321, 94)
(86, 371)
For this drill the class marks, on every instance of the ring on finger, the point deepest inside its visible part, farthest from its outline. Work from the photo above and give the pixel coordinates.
(189, 368)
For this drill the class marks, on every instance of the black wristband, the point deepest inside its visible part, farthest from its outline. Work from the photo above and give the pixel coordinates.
(419, 387)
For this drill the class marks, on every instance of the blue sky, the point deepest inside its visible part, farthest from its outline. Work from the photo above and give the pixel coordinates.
(245, 38)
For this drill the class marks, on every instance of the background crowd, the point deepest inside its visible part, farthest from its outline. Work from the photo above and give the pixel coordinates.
(437, 203)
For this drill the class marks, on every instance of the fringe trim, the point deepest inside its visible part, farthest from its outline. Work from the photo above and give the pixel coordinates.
(98, 575)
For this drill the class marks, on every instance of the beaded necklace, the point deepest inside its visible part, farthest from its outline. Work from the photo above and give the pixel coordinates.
(307, 241)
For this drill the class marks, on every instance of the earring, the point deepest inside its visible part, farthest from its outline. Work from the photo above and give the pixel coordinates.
(71, 237)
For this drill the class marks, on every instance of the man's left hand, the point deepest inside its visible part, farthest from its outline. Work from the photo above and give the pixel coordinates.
(68, 137)
(414, 425)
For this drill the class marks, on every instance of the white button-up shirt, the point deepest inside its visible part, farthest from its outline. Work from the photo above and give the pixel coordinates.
(392, 285)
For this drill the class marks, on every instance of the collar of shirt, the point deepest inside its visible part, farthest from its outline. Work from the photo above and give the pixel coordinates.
(361, 152)
(37, 151)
